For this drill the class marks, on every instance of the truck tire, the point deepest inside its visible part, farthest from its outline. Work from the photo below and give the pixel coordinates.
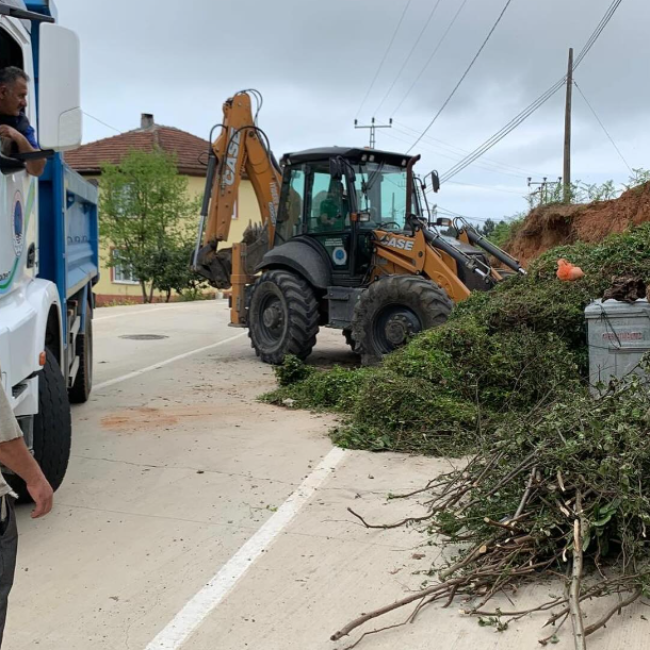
(52, 428)
(283, 317)
(391, 310)
(83, 383)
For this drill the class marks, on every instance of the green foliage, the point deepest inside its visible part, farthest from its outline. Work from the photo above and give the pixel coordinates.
(550, 193)
(639, 177)
(505, 230)
(145, 216)
(599, 447)
(501, 354)
(336, 389)
(292, 370)
(174, 271)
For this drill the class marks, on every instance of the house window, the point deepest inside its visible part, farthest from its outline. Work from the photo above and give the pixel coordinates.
(122, 273)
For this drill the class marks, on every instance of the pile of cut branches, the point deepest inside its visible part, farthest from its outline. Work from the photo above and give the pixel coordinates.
(562, 493)
(501, 351)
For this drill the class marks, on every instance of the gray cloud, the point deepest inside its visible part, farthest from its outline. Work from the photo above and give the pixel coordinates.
(313, 63)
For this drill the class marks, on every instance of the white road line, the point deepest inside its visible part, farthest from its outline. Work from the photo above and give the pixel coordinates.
(146, 311)
(166, 362)
(186, 622)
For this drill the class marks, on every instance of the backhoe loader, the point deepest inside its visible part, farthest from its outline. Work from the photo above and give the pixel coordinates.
(344, 243)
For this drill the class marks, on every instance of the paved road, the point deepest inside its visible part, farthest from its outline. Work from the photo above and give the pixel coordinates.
(195, 517)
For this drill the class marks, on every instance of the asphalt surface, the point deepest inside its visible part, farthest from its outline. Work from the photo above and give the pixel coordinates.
(193, 516)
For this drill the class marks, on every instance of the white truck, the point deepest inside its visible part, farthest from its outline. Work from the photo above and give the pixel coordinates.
(48, 243)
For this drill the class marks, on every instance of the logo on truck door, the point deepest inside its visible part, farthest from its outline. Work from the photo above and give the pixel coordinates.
(18, 224)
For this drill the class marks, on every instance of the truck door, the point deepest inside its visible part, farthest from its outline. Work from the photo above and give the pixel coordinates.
(328, 218)
(18, 196)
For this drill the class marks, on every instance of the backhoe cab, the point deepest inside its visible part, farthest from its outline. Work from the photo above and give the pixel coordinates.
(347, 245)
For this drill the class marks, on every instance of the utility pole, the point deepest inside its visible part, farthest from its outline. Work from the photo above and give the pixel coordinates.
(373, 129)
(567, 131)
(546, 190)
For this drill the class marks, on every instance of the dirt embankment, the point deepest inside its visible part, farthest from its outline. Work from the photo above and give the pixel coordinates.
(556, 225)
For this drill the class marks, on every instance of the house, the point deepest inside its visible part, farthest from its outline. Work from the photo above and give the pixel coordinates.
(116, 283)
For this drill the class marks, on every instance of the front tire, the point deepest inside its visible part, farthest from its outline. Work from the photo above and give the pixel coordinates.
(391, 310)
(52, 428)
(283, 317)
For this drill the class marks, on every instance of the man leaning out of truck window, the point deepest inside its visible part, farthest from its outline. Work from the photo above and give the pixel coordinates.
(15, 455)
(14, 125)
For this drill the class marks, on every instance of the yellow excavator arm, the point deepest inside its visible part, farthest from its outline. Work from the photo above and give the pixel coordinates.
(240, 151)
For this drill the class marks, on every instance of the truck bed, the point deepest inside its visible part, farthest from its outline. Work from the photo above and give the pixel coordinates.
(73, 259)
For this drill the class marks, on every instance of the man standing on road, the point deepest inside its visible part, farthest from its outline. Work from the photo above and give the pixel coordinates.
(14, 125)
(15, 455)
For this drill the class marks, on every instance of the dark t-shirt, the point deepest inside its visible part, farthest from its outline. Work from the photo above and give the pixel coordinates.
(22, 125)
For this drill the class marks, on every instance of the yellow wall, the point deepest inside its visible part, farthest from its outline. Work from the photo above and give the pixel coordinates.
(247, 211)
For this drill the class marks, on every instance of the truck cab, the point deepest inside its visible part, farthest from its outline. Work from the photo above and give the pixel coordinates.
(48, 242)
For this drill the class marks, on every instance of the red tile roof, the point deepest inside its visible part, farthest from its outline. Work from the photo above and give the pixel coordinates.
(88, 158)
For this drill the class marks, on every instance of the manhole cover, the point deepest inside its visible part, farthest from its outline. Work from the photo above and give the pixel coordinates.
(143, 337)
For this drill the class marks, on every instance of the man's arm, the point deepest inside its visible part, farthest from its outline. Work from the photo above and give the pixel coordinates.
(34, 167)
(15, 455)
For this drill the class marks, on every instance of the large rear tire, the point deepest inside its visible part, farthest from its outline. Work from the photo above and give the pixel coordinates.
(52, 428)
(83, 383)
(391, 310)
(283, 317)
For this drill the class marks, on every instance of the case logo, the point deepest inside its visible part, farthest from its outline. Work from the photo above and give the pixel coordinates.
(400, 244)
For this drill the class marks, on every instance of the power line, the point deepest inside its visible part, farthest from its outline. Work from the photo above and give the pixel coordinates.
(410, 54)
(92, 117)
(542, 99)
(497, 137)
(383, 60)
(432, 56)
(487, 187)
(602, 126)
(520, 171)
(485, 165)
(460, 81)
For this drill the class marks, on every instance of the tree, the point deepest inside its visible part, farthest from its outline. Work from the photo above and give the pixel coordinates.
(175, 272)
(488, 228)
(146, 215)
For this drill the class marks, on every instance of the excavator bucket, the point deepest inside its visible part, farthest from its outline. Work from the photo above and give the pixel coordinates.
(216, 265)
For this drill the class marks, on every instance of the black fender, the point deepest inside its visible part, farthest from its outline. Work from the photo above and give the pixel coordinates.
(304, 256)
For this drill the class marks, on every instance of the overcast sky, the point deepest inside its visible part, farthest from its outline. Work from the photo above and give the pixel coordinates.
(314, 61)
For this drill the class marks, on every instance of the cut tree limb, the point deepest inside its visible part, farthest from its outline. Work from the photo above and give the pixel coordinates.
(576, 579)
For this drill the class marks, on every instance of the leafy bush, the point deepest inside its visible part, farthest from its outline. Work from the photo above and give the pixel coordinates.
(508, 351)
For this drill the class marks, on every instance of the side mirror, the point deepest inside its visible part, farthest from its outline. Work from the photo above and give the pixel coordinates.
(435, 181)
(336, 169)
(364, 217)
(59, 96)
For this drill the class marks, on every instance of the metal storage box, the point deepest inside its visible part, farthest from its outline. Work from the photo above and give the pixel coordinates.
(619, 336)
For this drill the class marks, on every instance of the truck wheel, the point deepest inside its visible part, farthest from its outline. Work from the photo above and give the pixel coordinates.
(283, 317)
(83, 383)
(52, 428)
(391, 310)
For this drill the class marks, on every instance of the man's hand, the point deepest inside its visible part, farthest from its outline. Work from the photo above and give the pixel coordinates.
(43, 495)
(11, 133)
(34, 167)
(15, 455)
